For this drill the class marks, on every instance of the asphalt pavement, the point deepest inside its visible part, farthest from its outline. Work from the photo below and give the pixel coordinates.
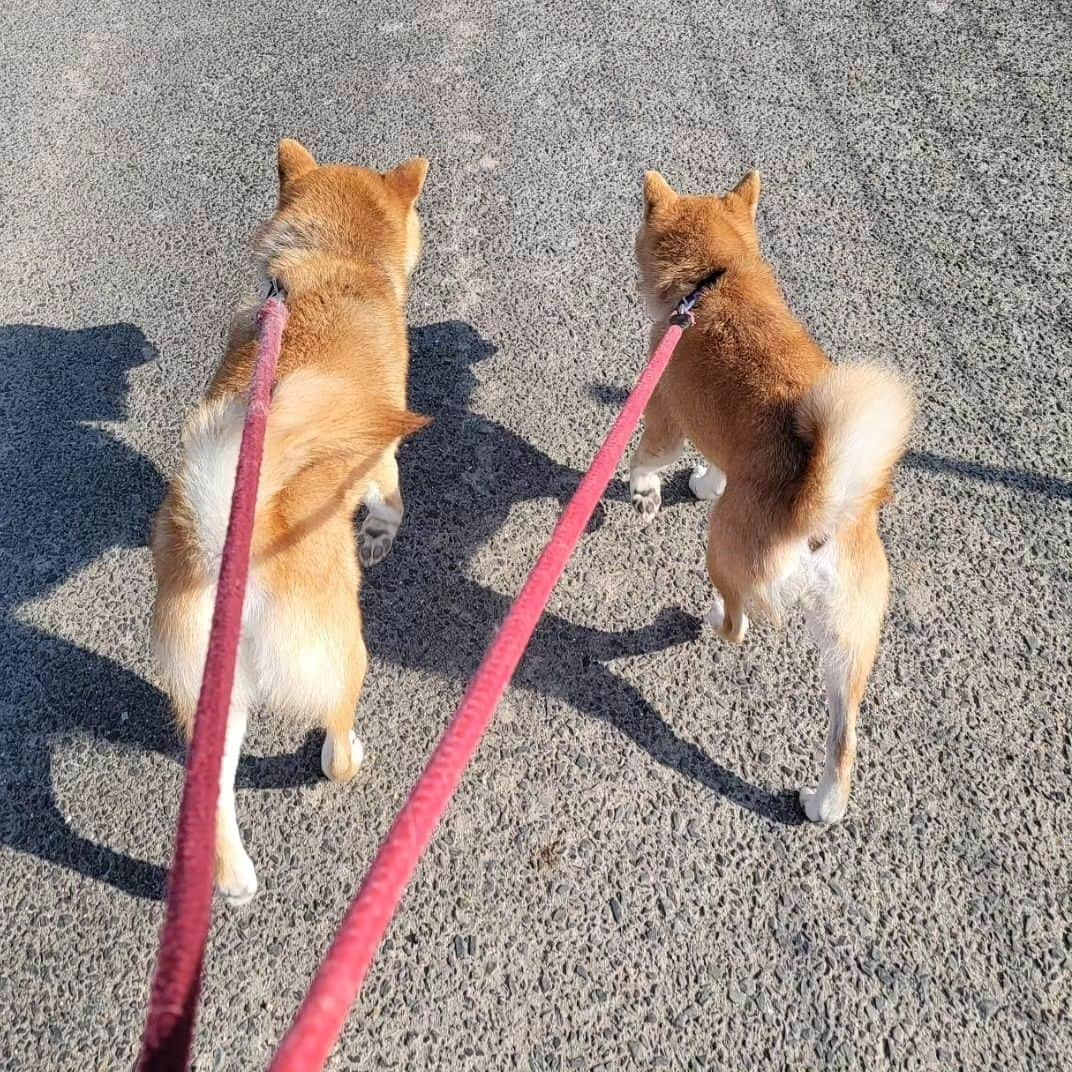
(624, 880)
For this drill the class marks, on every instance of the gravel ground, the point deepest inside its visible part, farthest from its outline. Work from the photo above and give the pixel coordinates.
(624, 880)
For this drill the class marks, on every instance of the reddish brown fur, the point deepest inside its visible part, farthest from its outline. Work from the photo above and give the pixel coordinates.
(761, 401)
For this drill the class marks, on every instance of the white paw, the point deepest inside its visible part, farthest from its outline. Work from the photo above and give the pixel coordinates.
(716, 618)
(346, 770)
(375, 539)
(647, 495)
(825, 804)
(237, 881)
(707, 482)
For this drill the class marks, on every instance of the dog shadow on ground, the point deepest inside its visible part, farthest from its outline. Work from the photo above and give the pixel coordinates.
(73, 492)
(1051, 487)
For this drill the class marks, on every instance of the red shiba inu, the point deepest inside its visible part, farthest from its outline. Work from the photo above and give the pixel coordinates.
(800, 452)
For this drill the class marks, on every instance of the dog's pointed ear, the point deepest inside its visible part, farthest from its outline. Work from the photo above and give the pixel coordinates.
(748, 191)
(657, 192)
(407, 180)
(294, 161)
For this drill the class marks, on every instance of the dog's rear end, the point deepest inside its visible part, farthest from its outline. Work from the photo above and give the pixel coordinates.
(855, 421)
(342, 245)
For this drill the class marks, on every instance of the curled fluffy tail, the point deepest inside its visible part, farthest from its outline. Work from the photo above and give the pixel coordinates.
(313, 417)
(856, 420)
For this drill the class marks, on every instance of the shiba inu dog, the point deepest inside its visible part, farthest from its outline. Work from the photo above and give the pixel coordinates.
(341, 247)
(800, 452)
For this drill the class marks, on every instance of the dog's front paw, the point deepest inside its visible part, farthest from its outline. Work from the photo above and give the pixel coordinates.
(647, 503)
(707, 482)
(647, 496)
(236, 879)
(824, 805)
(375, 540)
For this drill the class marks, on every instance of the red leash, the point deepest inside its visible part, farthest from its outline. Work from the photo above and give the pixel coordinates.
(321, 1017)
(177, 983)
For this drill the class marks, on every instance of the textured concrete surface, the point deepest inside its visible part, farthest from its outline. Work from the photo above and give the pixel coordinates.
(624, 881)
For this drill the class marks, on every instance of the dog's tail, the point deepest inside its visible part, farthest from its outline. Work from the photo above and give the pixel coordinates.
(313, 417)
(856, 420)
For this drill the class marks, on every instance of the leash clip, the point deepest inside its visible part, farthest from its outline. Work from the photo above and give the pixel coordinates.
(275, 290)
(683, 316)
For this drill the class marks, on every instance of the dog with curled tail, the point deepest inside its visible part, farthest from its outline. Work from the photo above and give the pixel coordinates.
(799, 452)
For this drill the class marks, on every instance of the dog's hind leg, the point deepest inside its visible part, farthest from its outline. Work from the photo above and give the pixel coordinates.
(383, 500)
(343, 753)
(181, 622)
(660, 445)
(845, 618)
(727, 567)
(236, 878)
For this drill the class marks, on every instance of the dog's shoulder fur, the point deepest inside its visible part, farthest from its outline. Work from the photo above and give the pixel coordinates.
(341, 246)
(816, 442)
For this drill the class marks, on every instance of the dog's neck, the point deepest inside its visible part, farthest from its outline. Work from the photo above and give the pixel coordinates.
(299, 272)
(740, 285)
(660, 304)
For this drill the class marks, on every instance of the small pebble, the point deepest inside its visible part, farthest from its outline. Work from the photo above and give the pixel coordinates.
(688, 1013)
(616, 910)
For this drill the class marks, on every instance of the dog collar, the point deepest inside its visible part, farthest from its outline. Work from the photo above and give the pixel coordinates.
(683, 316)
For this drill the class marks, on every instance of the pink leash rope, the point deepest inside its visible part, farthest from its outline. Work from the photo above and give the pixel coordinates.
(177, 982)
(320, 1019)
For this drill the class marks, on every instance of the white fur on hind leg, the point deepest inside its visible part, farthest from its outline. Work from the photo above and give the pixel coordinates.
(238, 882)
(829, 800)
(716, 618)
(236, 878)
(717, 614)
(707, 482)
(357, 754)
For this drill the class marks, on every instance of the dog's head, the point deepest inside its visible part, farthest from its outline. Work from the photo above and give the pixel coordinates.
(345, 211)
(683, 240)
